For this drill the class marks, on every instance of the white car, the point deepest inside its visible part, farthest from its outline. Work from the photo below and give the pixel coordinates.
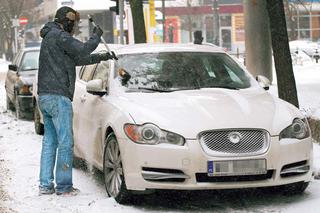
(186, 117)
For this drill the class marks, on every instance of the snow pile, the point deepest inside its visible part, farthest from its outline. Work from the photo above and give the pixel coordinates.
(299, 57)
(306, 46)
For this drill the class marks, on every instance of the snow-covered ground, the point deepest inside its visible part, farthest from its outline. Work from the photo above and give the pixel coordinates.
(19, 167)
(308, 87)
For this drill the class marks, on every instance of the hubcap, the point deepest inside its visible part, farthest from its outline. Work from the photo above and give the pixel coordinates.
(113, 168)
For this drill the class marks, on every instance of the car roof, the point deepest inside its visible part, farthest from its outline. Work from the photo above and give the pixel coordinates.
(150, 48)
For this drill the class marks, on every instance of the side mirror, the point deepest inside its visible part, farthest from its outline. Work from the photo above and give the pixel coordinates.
(13, 67)
(95, 87)
(263, 82)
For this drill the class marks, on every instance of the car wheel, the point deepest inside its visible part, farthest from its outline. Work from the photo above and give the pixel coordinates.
(294, 188)
(17, 106)
(38, 126)
(113, 171)
(10, 105)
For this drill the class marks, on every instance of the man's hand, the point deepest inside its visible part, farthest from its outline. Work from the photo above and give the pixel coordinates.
(106, 56)
(97, 30)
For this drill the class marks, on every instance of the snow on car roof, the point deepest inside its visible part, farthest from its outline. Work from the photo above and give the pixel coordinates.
(149, 48)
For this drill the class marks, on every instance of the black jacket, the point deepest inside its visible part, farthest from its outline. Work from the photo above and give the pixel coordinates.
(60, 53)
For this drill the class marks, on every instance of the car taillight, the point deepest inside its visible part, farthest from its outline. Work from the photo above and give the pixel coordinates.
(24, 90)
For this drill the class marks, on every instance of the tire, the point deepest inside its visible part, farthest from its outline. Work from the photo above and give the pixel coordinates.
(113, 171)
(79, 163)
(38, 126)
(19, 114)
(10, 105)
(294, 188)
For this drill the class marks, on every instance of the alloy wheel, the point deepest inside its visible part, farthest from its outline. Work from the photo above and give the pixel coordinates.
(113, 168)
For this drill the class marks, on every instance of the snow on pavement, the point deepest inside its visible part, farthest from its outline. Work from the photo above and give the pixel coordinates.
(20, 152)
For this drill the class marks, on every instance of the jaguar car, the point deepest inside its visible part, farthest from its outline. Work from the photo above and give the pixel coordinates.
(186, 117)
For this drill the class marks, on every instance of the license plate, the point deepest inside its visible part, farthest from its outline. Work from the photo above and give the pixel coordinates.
(237, 167)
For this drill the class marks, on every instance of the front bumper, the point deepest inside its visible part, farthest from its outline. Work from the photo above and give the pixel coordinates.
(185, 167)
(25, 103)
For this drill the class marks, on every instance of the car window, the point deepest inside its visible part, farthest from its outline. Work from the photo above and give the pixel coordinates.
(87, 72)
(30, 61)
(183, 70)
(17, 58)
(102, 72)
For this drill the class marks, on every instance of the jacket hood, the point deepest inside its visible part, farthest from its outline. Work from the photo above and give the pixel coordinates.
(47, 28)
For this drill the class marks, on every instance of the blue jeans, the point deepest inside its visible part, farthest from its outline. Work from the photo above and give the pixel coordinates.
(58, 137)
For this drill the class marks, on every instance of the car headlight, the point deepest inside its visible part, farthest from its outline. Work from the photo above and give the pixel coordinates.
(299, 129)
(25, 89)
(151, 134)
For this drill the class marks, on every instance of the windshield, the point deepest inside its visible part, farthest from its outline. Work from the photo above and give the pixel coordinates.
(171, 71)
(30, 61)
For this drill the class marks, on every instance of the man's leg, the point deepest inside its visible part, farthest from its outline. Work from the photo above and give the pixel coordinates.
(49, 146)
(63, 124)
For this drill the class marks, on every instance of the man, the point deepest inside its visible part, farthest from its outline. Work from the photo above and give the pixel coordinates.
(60, 53)
(197, 35)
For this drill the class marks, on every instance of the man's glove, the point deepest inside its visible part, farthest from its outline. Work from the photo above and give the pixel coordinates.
(106, 56)
(97, 30)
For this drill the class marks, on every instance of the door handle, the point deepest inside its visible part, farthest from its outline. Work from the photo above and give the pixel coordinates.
(83, 98)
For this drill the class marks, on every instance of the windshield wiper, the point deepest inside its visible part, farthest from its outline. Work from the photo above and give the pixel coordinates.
(224, 87)
(154, 89)
(187, 88)
(30, 69)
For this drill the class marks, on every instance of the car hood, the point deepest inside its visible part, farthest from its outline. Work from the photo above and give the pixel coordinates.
(190, 112)
(27, 77)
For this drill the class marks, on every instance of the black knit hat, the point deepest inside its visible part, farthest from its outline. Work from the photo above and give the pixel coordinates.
(62, 13)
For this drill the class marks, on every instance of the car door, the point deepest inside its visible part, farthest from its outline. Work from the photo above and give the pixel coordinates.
(85, 75)
(90, 124)
(12, 77)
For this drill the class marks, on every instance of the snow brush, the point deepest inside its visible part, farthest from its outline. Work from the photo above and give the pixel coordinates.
(102, 39)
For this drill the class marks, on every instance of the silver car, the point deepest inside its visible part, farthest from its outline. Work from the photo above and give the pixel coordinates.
(20, 76)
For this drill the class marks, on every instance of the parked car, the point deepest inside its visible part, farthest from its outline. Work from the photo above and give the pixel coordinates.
(19, 81)
(186, 117)
(308, 47)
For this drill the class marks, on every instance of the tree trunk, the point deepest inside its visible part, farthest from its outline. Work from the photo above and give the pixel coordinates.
(8, 10)
(138, 21)
(282, 58)
(258, 38)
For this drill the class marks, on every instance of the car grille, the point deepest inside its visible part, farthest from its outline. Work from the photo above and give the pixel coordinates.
(235, 142)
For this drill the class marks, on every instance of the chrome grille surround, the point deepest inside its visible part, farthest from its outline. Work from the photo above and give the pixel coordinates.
(217, 142)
